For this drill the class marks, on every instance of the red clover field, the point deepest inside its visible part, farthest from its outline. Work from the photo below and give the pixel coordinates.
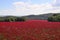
(30, 30)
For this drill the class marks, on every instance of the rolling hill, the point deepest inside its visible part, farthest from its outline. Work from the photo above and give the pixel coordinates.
(34, 17)
(40, 17)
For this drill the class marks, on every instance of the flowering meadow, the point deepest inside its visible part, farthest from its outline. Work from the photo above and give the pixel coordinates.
(30, 30)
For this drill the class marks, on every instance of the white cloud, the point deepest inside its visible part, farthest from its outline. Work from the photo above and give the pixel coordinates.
(25, 8)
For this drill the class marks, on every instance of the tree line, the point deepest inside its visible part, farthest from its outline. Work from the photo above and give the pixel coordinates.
(12, 19)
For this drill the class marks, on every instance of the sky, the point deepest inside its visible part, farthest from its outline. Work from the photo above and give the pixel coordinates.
(28, 7)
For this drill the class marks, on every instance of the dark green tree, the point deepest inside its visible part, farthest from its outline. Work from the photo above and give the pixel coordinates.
(21, 19)
(54, 18)
(12, 19)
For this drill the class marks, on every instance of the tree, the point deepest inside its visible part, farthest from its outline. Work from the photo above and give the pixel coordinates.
(1, 19)
(50, 18)
(21, 19)
(55, 14)
(54, 18)
(10, 19)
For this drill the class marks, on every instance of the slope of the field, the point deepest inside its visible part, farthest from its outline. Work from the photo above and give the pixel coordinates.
(30, 30)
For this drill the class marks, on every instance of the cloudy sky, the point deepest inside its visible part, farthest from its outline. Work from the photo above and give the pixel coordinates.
(29, 7)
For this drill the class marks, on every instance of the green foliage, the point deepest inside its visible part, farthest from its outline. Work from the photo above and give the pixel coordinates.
(50, 18)
(12, 19)
(21, 19)
(1, 19)
(55, 14)
(54, 18)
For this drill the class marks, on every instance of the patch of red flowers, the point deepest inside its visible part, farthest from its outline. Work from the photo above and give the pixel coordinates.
(30, 30)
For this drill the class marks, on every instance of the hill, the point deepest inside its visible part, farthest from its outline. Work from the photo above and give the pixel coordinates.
(40, 17)
(33, 17)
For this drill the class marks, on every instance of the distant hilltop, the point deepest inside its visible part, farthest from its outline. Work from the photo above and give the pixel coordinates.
(40, 17)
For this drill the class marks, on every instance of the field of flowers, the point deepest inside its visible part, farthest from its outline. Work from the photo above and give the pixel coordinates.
(30, 30)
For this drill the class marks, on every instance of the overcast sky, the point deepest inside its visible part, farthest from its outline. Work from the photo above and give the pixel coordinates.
(29, 7)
